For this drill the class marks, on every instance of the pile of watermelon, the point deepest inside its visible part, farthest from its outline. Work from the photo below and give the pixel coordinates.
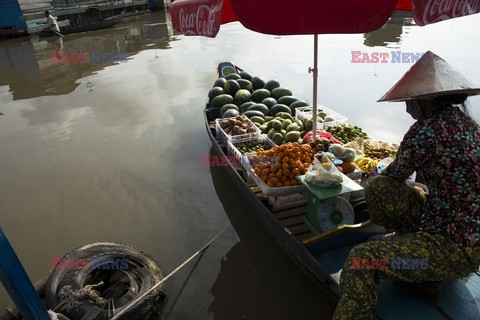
(240, 93)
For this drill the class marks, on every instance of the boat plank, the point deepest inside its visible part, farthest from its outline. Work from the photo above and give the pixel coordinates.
(290, 213)
(296, 230)
(304, 236)
(291, 222)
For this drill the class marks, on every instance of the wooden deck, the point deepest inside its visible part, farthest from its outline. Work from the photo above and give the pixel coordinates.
(290, 219)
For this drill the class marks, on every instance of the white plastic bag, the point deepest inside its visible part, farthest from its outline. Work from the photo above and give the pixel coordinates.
(323, 172)
(342, 153)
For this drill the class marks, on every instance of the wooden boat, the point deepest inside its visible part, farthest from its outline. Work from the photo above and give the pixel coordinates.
(97, 25)
(321, 257)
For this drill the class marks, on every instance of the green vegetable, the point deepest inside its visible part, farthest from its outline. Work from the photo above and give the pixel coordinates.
(346, 133)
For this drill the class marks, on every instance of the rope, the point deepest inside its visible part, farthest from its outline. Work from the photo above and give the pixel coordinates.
(70, 299)
(158, 284)
(53, 315)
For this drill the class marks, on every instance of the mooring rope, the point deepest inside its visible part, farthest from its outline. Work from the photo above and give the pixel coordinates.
(158, 284)
(70, 299)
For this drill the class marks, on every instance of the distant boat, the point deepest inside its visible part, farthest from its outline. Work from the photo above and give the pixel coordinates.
(97, 25)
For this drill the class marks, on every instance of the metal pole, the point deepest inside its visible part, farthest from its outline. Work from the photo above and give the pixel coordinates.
(315, 78)
(18, 285)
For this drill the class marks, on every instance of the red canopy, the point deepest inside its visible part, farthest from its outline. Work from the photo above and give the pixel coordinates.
(201, 17)
(282, 17)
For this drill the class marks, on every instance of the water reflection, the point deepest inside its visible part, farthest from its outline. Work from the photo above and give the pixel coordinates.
(256, 279)
(390, 35)
(27, 68)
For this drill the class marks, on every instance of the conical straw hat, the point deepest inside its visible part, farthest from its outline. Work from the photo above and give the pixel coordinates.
(429, 77)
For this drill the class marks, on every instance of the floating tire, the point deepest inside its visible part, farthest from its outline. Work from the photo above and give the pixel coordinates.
(125, 271)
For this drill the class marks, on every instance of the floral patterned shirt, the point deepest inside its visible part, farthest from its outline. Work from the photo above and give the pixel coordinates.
(445, 151)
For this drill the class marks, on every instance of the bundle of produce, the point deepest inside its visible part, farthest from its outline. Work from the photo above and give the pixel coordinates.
(282, 164)
(366, 164)
(237, 126)
(374, 149)
(282, 128)
(342, 153)
(320, 144)
(320, 134)
(379, 149)
(324, 173)
(345, 155)
(346, 132)
(325, 116)
(240, 93)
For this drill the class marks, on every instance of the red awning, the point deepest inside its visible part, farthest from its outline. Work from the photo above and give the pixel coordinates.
(282, 17)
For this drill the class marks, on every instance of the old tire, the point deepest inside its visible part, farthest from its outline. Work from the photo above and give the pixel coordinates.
(121, 285)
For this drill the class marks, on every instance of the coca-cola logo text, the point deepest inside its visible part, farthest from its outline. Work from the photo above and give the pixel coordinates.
(438, 10)
(202, 22)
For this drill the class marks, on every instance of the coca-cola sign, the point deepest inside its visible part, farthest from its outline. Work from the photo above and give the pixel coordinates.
(198, 18)
(431, 11)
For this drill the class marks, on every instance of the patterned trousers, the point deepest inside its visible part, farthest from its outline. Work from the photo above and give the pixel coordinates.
(412, 257)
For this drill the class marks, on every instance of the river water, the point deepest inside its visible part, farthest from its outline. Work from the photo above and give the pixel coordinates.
(112, 151)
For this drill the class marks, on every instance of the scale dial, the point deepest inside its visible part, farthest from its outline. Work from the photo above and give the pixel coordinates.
(334, 212)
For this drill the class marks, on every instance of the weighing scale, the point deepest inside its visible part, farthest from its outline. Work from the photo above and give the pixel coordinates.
(326, 209)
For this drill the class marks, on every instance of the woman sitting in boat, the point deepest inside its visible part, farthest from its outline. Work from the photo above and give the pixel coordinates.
(440, 229)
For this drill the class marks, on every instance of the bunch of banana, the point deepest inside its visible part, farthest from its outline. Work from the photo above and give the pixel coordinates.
(366, 164)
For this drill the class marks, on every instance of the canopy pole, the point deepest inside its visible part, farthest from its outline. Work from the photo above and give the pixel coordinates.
(18, 285)
(314, 72)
